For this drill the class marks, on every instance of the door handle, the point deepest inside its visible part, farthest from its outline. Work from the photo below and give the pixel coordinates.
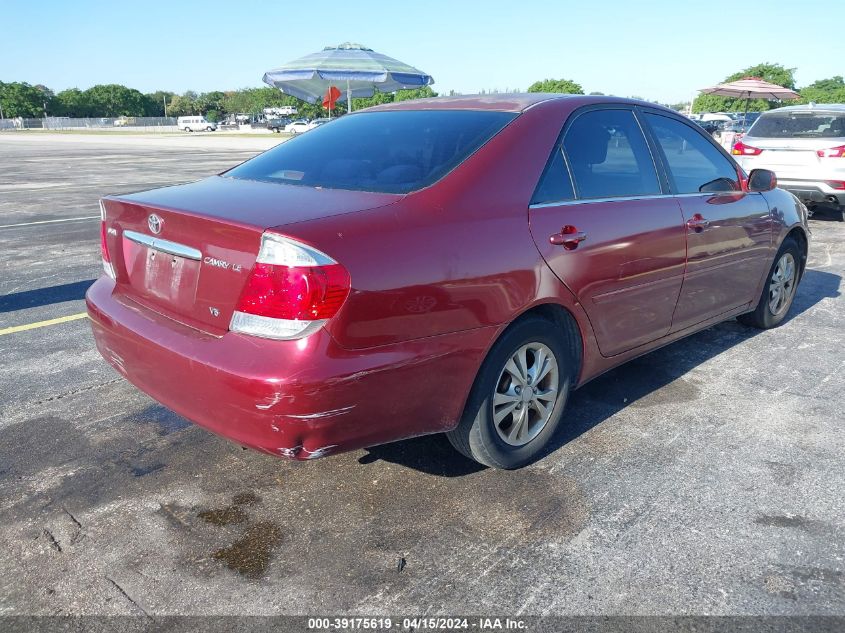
(698, 223)
(569, 237)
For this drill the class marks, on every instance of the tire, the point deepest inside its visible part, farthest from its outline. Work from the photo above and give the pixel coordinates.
(778, 291)
(209, 129)
(506, 441)
(187, 129)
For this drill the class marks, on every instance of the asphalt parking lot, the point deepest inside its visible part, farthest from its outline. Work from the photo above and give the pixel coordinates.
(704, 478)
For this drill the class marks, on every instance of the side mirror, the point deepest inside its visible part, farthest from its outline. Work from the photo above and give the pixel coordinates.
(762, 180)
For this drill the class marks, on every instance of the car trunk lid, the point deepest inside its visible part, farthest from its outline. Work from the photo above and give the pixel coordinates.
(791, 157)
(186, 251)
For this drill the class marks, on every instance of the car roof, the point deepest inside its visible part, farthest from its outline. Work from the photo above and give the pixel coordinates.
(511, 102)
(811, 107)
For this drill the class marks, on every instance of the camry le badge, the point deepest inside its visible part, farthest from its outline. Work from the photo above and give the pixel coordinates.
(155, 222)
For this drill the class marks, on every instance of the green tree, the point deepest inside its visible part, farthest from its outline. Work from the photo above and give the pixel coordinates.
(19, 99)
(418, 93)
(824, 91)
(72, 102)
(113, 100)
(773, 73)
(154, 102)
(359, 103)
(564, 86)
(182, 105)
(210, 104)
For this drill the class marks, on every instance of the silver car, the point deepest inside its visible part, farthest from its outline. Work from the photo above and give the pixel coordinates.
(805, 146)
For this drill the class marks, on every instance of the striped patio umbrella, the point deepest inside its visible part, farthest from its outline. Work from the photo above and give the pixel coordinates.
(358, 69)
(751, 88)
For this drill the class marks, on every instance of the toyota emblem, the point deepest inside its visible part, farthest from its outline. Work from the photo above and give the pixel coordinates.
(155, 222)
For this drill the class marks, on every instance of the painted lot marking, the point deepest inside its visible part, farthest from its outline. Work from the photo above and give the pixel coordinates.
(38, 324)
(87, 217)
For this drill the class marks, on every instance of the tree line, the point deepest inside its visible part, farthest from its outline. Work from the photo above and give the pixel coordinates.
(821, 91)
(19, 99)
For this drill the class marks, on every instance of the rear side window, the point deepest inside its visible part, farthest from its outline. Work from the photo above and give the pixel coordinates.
(555, 185)
(391, 151)
(799, 125)
(609, 156)
(695, 166)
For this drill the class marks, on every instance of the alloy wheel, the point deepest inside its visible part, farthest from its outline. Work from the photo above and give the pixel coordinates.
(782, 284)
(525, 394)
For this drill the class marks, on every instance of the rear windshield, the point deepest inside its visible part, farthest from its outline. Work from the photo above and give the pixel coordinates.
(392, 152)
(799, 125)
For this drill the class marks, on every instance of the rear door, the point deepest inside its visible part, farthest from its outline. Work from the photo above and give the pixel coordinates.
(605, 225)
(728, 230)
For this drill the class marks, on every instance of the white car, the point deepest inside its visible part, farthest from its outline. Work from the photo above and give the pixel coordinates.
(805, 147)
(298, 127)
(715, 116)
(195, 124)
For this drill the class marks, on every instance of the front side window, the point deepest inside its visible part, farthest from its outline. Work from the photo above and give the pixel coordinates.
(609, 156)
(394, 151)
(695, 166)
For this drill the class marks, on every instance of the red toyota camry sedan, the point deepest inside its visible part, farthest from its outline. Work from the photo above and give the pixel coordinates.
(452, 265)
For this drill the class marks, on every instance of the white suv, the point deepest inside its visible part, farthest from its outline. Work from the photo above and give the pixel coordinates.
(805, 146)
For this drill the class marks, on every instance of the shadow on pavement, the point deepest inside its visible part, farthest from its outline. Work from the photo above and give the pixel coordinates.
(44, 296)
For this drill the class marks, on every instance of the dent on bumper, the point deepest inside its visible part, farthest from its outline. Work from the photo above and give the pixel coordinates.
(298, 399)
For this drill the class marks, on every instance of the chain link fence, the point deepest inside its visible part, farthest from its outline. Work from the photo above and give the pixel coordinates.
(143, 124)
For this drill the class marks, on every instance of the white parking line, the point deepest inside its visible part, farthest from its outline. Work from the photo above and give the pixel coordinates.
(87, 217)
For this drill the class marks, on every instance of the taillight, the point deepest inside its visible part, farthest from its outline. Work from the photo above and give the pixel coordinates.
(832, 152)
(292, 290)
(836, 184)
(741, 149)
(104, 247)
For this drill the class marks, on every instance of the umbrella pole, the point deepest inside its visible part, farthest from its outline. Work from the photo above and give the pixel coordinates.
(348, 97)
(745, 114)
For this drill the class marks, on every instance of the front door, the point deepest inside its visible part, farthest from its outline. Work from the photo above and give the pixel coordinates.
(728, 230)
(608, 232)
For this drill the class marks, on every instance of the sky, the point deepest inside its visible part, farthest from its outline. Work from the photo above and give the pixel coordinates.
(656, 49)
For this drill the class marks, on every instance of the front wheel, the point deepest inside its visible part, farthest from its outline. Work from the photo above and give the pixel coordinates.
(209, 129)
(517, 401)
(187, 129)
(779, 290)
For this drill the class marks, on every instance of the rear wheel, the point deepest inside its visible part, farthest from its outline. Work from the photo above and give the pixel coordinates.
(187, 129)
(518, 398)
(779, 290)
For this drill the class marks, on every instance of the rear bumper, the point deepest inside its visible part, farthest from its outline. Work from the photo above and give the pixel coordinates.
(299, 399)
(813, 191)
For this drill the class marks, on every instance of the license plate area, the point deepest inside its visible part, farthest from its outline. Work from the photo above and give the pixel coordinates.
(791, 157)
(162, 272)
